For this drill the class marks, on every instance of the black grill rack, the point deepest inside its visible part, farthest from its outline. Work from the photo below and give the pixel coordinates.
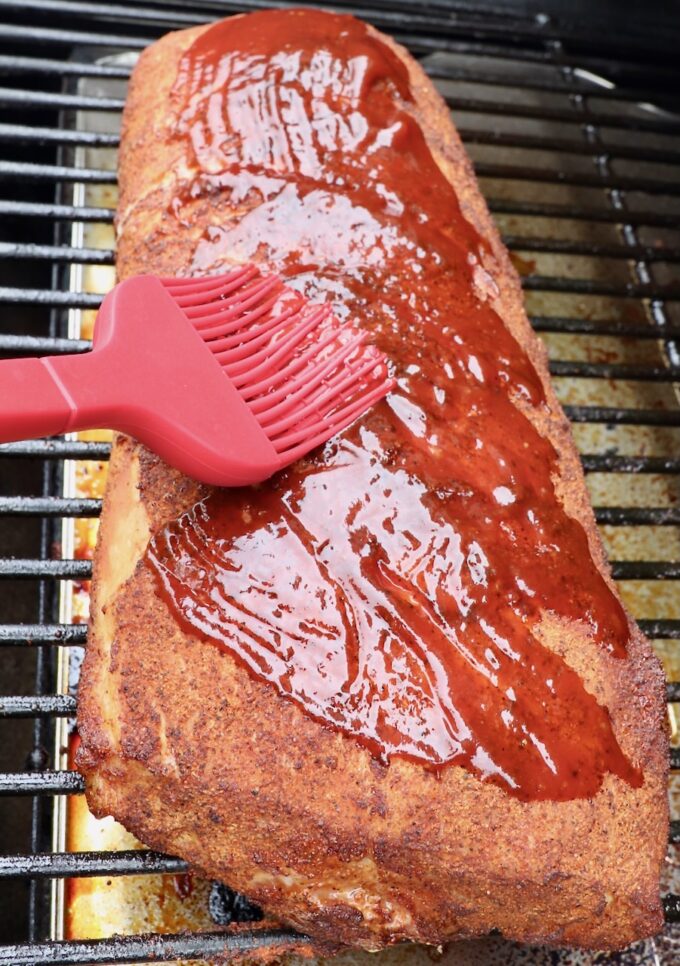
(600, 105)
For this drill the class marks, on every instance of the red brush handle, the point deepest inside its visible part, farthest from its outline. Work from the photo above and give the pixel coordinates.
(31, 402)
(35, 398)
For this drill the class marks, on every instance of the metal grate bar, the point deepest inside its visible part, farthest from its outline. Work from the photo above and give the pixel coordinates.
(28, 634)
(82, 569)
(654, 219)
(10, 64)
(470, 136)
(645, 569)
(41, 783)
(605, 370)
(565, 145)
(638, 516)
(565, 115)
(29, 171)
(49, 506)
(550, 84)
(16, 97)
(532, 283)
(76, 634)
(78, 449)
(132, 862)
(463, 19)
(60, 253)
(583, 286)
(615, 71)
(607, 463)
(546, 323)
(47, 296)
(41, 569)
(671, 908)
(167, 18)
(64, 705)
(547, 175)
(623, 417)
(72, 38)
(577, 369)
(459, 17)
(77, 38)
(85, 507)
(49, 135)
(662, 253)
(562, 246)
(30, 209)
(55, 172)
(37, 345)
(661, 628)
(32, 345)
(37, 706)
(57, 449)
(499, 206)
(155, 948)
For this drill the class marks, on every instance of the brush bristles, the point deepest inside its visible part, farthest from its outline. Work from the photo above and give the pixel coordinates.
(303, 374)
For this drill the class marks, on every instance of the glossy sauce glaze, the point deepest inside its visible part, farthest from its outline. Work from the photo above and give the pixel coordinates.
(391, 586)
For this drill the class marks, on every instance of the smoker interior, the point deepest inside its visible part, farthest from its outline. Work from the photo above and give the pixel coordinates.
(575, 136)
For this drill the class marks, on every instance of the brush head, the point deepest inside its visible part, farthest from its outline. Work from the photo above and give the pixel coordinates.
(303, 375)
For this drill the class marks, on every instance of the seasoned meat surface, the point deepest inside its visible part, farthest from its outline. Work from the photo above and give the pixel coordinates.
(495, 756)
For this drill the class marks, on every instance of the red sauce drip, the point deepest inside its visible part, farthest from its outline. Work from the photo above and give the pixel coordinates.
(184, 884)
(392, 585)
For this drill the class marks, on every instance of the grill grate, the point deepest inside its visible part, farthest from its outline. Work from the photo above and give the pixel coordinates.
(576, 141)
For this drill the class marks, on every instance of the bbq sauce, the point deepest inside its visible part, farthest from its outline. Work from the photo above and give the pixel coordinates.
(393, 584)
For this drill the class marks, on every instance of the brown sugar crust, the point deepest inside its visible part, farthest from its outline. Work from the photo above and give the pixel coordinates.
(198, 759)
